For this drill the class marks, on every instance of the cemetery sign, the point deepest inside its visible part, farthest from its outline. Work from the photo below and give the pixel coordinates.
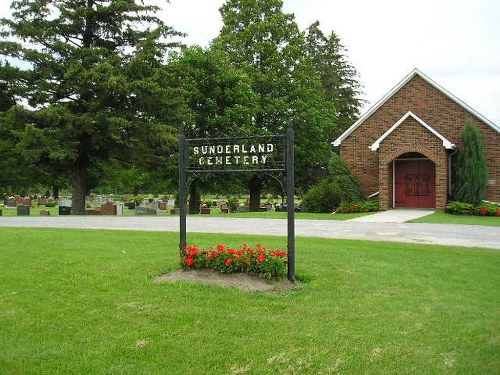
(237, 154)
(269, 154)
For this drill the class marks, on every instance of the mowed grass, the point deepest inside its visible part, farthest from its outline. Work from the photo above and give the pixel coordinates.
(444, 218)
(86, 302)
(35, 211)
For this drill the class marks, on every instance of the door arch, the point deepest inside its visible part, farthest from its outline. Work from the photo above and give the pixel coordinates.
(414, 181)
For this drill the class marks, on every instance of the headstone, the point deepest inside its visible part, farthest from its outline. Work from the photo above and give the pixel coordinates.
(23, 210)
(224, 208)
(44, 213)
(144, 211)
(119, 209)
(64, 210)
(108, 209)
(10, 202)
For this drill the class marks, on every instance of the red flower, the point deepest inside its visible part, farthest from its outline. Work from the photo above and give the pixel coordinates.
(261, 251)
(193, 252)
(229, 261)
(189, 261)
(278, 253)
(214, 254)
(261, 258)
(221, 247)
(231, 251)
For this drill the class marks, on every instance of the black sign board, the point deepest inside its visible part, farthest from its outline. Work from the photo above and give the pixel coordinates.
(238, 154)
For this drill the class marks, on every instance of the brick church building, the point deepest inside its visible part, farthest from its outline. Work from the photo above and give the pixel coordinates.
(402, 150)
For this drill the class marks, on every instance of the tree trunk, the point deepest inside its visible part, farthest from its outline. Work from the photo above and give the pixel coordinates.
(80, 181)
(55, 192)
(255, 187)
(194, 198)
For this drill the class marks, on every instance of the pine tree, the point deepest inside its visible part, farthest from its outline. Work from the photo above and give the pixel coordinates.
(472, 168)
(92, 73)
(338, 76)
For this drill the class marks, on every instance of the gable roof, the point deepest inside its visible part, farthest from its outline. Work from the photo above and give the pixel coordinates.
(396, 88)
(446, 143)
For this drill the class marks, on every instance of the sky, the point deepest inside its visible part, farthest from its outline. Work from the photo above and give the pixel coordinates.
(456, 43)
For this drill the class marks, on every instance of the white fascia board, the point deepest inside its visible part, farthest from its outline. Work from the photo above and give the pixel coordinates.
(376, 106)
(446, 143)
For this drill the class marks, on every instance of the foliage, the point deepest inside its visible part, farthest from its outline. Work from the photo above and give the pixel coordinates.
(219, 102)
(338, 76)
(322, 197)
(260, 261)
(266, 43)
(472, 167)
(92, 74)
(233, 203)
(219, 96)
(354, 207)
(342, 175)
(483, 209)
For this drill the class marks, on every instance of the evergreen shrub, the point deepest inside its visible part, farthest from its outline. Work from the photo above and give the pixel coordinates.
(322, 197)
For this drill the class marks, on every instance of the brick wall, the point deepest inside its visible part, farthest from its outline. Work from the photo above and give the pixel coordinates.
(374, 168)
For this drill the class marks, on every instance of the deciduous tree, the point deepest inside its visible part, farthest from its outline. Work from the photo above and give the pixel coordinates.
(266, 42)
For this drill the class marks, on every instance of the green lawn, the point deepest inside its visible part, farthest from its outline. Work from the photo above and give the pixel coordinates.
(85, 302)
(443, 218)
(35, 211)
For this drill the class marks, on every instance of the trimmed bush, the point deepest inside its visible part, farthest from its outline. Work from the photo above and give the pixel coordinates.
(322, 197)
(472, 167)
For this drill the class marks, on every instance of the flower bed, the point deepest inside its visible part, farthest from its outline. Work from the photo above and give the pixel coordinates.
(258, 261)
(364, 206)
(484, 209)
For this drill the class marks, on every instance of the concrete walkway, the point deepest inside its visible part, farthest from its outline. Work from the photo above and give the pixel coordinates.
(394, 216)
(439, 234)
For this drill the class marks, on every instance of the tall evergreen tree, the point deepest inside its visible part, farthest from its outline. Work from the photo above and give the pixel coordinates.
(472, 168)
(338, 76)
(266, 42)
(94, 79)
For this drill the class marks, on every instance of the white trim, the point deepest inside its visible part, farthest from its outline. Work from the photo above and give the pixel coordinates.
(446, 143)
(394, 183)
(395, 89)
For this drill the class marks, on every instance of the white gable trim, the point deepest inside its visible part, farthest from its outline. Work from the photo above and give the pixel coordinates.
(395, 89)
(446, 143)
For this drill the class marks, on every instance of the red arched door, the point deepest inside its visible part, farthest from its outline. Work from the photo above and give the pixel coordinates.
(415, 184)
